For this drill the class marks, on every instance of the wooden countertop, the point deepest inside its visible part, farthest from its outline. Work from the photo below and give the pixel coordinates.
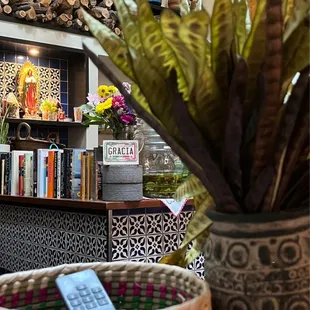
(79, 204)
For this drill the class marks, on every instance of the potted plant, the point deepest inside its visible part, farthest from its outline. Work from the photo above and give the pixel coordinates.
(4, 127)
(220, 105)
(108, 109)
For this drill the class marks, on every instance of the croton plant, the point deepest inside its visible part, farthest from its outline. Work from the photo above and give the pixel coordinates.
(221, 95)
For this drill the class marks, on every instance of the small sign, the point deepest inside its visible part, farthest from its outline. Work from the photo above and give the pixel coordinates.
(120, 152)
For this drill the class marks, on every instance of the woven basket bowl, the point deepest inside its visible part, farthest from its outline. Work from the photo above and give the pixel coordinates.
(129, 285)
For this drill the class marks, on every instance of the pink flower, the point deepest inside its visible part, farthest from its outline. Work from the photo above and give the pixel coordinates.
(118, 102)
(93, 99)
(127, 119)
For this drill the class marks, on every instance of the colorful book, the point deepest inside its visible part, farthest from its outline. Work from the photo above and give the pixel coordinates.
(50, 174)
(76, 173)
(46, 176)
(2, 173)
(28, 168)
(15, 170)
(21, 161)
(41, 172)
(90, 164)
(35, 174)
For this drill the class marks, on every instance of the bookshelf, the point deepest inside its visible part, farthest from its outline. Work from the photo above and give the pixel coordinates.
(43, 123)
(79, 204)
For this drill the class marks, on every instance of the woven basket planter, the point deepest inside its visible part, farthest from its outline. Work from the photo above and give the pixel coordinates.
(129, 285)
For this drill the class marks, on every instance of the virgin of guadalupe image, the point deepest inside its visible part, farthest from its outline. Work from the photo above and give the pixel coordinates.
(28, 90)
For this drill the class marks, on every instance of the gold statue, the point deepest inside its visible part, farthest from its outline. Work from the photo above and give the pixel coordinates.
(28, 90)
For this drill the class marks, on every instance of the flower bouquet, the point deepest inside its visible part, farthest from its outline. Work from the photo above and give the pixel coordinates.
(49, 109)
(108, 108)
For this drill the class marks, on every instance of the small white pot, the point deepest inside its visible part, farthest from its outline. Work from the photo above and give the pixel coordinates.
(5, 148)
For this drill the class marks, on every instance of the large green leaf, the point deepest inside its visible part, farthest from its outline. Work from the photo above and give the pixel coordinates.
(209, 106)
(197, 225)
(296, 51)
(273, 76)
(286, 128)
(189, 189)
(197, 248)
(239, 14)
(170, 26)
(221, 42)
(152, 85)
(254, 52)
(193, 32)
(299, 11)
(156, 49)
(111, 43)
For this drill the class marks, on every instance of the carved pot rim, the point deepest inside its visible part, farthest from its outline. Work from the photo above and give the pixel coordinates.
(257, 218)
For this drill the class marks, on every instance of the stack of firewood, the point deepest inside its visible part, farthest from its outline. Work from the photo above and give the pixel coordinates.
(65, 13)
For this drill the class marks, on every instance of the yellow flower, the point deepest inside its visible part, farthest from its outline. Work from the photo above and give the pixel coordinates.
(101, 107)
(102, 90)
(112, 89)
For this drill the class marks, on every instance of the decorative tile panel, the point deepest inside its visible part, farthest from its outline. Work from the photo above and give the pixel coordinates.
(53, 75)
(37, 238)
(148, 234)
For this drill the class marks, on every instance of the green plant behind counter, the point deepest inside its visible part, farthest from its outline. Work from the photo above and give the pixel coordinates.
(220, 104)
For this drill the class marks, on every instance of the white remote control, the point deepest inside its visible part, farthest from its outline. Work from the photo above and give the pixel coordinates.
(83, 291)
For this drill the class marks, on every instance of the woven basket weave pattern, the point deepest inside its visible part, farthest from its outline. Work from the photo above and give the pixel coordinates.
(129, 285)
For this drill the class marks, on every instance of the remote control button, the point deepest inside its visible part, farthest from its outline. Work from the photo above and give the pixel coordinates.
(85, 292)
(79, 308)
(75, 302)
(72, 296)
(88, 299)
(96, 289)
(99, 295)
(91, 305)
(102, 302)
(81, 287)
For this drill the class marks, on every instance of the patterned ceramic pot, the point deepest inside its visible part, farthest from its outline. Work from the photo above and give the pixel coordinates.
(259, 261)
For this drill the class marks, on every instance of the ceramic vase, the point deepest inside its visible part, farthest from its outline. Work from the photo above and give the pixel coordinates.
(52, 116)
(45, 116)
(259, 261)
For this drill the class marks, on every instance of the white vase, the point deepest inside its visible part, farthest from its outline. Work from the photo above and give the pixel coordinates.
(5, 148)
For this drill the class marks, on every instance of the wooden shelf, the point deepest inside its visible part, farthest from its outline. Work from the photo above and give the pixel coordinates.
(79, 204)
(43, 123)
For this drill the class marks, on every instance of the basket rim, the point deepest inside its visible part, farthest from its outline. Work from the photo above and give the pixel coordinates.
(37, 274)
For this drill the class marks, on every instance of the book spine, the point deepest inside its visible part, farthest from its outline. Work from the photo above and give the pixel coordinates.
(27, 175)
(35, 174)
(45, 173)
(89, 175)
(50, 174)
(69, 174)
(62, 177)
(55, 174)
(9, 173)
(7, 179)
(2, 174)
(58, 193)
(83, 175)
(94, 178)
(99, 179)
(21, 159)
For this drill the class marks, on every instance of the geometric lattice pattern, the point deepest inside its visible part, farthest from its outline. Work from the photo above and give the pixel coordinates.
(32, 238)
(146, 235)
(49, 80)
(53, 75)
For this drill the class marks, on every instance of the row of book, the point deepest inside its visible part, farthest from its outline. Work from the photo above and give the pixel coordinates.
(52, 173)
